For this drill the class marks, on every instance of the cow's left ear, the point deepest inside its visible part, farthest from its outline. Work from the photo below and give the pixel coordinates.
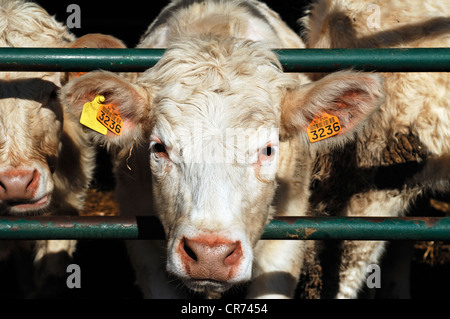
(347, 97)
(126, 99)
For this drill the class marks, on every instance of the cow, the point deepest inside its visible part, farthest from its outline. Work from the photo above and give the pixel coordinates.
(213, 142)
(46, 161)
(403, 152)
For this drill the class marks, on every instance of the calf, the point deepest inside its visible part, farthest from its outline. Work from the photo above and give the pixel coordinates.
(46, 162)
(214, 143)
(404, 150)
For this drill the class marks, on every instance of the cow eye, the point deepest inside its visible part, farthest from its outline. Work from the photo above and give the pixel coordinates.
(267, 151)
(159, 149)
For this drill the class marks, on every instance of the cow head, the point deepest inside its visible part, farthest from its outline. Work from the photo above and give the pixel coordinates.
(31, 120)
(212, 115)
(31, 134)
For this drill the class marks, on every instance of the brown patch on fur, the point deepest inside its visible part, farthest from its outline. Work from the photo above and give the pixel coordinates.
(402, 149)
(97, 40)
(93, 40)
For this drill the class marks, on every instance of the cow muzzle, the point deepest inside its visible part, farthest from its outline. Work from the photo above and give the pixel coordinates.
(211, 263)
(19, 190)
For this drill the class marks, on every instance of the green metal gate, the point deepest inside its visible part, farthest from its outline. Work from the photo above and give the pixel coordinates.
(292, 60)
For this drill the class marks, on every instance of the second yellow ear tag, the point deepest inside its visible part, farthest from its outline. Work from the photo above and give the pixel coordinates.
(322, 127)
(89, 115)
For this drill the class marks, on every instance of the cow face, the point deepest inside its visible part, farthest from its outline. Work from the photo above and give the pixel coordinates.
(212, 115)
(31, 120)
(31, 128)
(213, 154)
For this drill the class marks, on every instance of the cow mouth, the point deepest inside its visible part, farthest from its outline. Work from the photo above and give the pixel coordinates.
(207, 286)
(29, 205)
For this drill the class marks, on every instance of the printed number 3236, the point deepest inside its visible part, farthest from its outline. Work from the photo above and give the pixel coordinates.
(325, 132)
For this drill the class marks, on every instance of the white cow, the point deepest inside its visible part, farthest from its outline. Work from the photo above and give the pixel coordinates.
(214, 143)
(46, 161)
(404, 150)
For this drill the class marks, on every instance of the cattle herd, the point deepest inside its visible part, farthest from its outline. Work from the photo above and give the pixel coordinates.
(216, 140)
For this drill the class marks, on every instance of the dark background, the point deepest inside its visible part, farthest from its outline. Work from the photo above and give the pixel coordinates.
(128, 20)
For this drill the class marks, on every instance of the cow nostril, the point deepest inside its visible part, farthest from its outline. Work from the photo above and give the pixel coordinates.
(235, 254)
(33, 183)
(189, 251)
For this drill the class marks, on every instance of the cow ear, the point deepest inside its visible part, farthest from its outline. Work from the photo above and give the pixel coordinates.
(127, 99)
(95, 41)
(349, 97)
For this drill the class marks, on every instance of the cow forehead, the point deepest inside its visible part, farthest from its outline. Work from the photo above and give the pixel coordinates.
(217, 94)
(245, 107)
(196, 67)
(26, 103)
(209, 50)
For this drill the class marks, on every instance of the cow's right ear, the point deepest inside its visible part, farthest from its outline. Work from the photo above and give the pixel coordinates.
(128, 99)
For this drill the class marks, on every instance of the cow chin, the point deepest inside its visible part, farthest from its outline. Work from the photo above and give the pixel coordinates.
(208, 288)
(32, 207)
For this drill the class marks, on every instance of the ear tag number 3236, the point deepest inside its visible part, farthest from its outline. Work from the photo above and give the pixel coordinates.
(108, 116)
(100, 117)
(322, 127)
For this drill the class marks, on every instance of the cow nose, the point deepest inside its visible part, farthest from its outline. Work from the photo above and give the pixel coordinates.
(210, 260)
(18, 184)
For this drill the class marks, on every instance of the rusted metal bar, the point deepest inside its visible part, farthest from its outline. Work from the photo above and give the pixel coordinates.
(360, 228)
(74, 227)
(301, 228)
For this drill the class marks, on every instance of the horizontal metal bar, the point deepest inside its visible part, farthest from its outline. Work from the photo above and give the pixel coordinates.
(80, 60)
(360, 228)
(381, 60)
(292, 60)
(302, 228)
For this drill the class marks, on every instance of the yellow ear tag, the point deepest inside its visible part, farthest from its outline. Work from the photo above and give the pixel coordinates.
(322, 127)
(110, 118)
(89, 115)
